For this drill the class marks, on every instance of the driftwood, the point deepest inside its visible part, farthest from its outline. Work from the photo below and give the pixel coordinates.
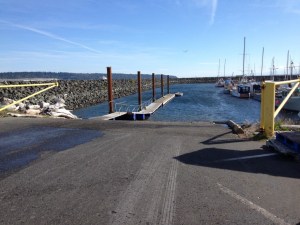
(33, 111)
(63, 113)
(41, 110)
(24, 115)
(234, 126)
(292, 127)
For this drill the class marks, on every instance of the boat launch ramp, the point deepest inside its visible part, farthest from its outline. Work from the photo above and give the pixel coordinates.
(55, 171)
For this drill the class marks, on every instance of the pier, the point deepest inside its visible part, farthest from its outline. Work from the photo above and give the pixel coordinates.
(144, 111)
(143, 114)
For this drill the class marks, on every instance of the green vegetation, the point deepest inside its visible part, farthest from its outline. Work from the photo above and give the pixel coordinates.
(278, 125)
(259, 136)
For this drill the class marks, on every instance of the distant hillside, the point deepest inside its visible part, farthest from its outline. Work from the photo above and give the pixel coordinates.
(70, 76)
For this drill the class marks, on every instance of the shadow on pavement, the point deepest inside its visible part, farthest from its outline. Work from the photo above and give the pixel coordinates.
(212, 141)
(275, 165)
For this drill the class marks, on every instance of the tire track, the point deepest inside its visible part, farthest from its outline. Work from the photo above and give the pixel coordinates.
(125, 212)
(150, 197)
(169, 200)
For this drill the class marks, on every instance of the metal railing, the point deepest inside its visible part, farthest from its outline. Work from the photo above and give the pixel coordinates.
(268, 112)
(50, 85)
(125, 107)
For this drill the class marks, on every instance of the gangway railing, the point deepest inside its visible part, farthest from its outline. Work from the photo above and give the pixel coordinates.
(125, 107)
(50, 85)
(268, 112)
(146, 103)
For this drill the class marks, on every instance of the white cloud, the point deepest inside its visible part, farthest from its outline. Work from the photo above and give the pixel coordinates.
(50, 35)
(212, 5)
(213, 11)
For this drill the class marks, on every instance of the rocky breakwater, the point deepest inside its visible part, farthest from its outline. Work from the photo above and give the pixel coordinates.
(76, 93)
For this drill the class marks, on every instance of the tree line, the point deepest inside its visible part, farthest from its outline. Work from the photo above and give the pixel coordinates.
(70, 76)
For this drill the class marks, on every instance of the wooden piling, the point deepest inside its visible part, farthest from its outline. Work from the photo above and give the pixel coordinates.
(168, 83)
(162, 85)
(153, 87)
(139, 90)
(110, 90)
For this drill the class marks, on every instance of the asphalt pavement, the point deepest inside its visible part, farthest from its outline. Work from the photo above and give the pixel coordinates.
(57, 171)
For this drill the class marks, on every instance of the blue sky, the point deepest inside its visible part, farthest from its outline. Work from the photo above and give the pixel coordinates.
(179, 37)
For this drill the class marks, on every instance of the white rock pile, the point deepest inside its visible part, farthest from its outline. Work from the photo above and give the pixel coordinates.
(57, 109)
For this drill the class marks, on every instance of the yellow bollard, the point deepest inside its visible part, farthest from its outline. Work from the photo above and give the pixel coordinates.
(269, 108)
(262, 100)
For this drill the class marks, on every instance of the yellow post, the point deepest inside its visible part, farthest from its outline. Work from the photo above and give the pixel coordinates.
(262, 109)
(267, 112)
(269, 108)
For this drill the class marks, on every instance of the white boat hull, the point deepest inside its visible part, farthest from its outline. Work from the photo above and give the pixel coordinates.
(240, 95)
(292, 104)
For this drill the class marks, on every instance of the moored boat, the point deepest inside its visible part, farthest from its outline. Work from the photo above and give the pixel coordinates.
(255, 88)
(241, 91)
(220, 83)
(227, 86)
(293, 103)
(178, 94)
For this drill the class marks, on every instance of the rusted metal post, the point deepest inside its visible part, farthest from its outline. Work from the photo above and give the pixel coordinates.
(162, 85)
(168, 85)
(153, 87)
(110, 91)
(139, 90)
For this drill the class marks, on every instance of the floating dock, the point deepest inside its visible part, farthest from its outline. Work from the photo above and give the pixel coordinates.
(111, 116)
(144, 114)
(286, 143)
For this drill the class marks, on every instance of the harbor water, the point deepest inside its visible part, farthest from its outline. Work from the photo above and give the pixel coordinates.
(200, 102)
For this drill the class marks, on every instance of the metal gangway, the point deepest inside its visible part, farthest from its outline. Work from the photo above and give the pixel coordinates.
(137, 112)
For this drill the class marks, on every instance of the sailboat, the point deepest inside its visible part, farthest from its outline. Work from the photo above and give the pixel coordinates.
(242, 90)
(227, 83)
(256, 94)
(220, 82)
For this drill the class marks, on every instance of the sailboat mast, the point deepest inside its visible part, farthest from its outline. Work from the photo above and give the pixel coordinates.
(273, 67)
(262, 61)
(292, 67)
(244, 56)
(219, 69)
(287, 64)
(224, 67)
